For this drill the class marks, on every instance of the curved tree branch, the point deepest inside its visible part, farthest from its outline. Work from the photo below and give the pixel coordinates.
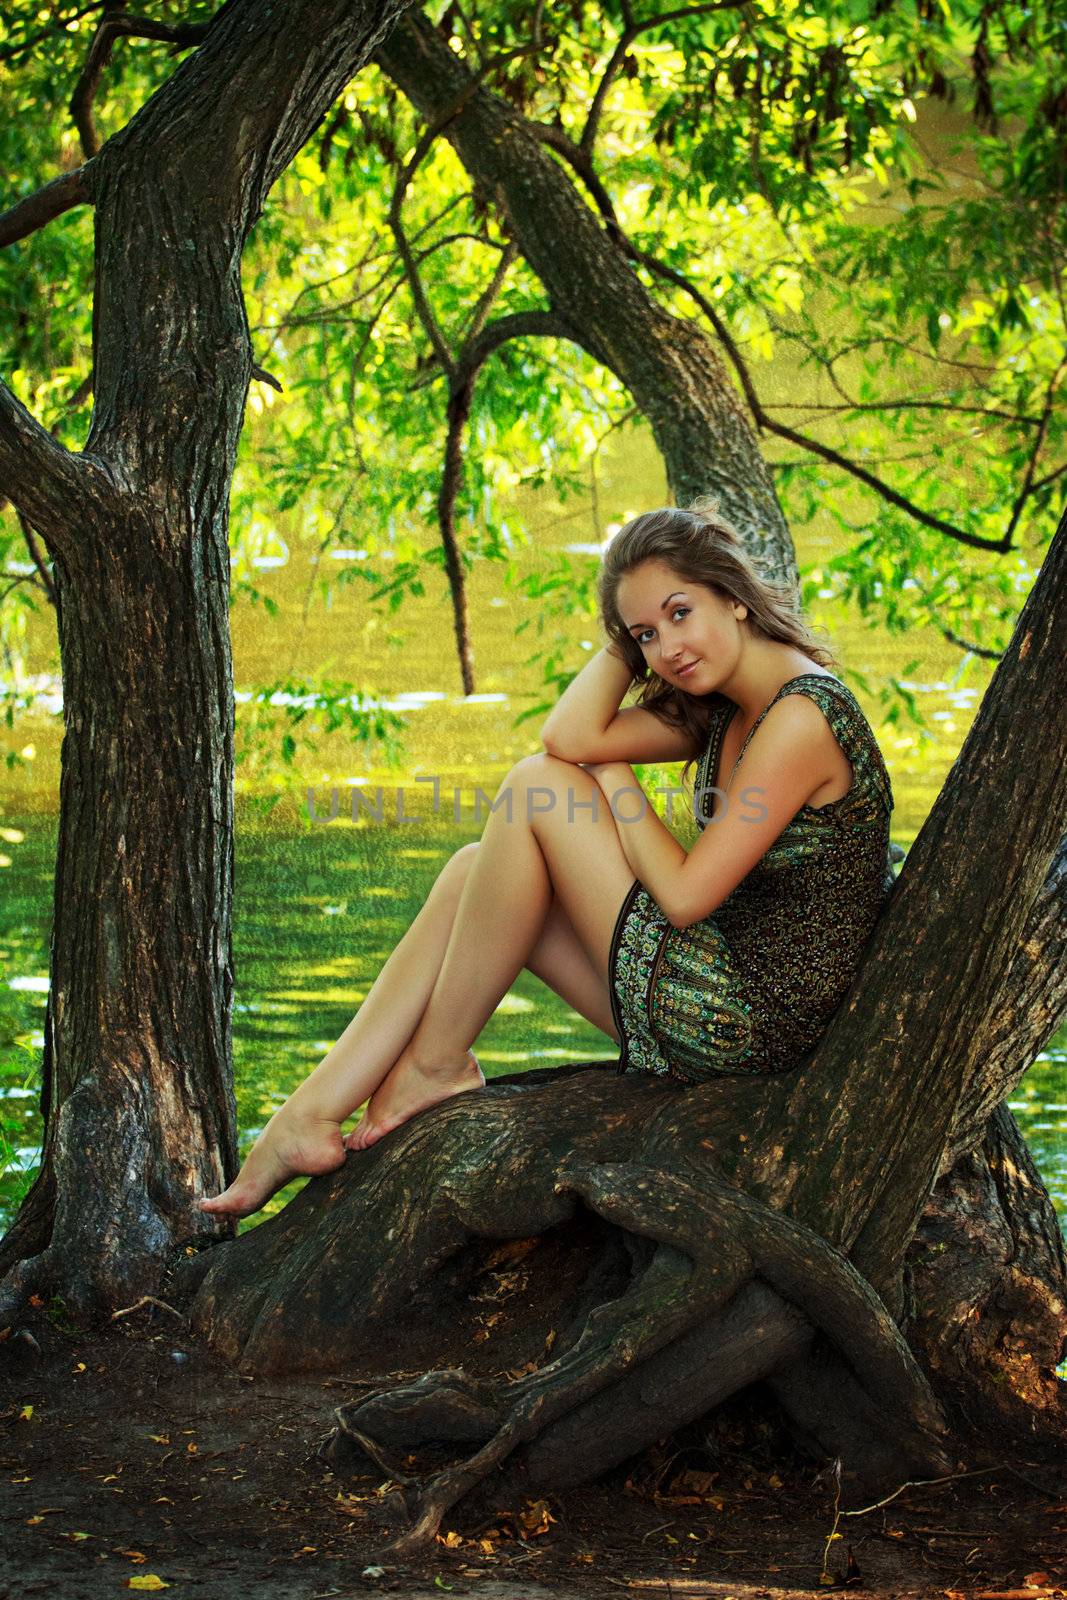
(618, 55)
(677, 379)
(581, 161)
(50, 485)
(848, 405)
(26, 216)
(813, 446)
(1035, 450)
(114, 26)
(955, 638)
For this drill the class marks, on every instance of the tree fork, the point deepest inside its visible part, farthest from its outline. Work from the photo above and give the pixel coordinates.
(812, 1183)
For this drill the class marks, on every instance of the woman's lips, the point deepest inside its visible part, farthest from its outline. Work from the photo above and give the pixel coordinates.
(683, 672)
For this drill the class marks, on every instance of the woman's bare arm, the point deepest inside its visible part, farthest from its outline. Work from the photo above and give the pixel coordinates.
(791, 755)
(587, 725)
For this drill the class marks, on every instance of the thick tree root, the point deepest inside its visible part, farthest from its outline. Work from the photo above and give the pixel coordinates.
(709, 1244)
(660, 1306)
(799, 1264)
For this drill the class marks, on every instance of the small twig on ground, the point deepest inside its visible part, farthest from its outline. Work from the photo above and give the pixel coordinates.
(919, 1483)
(148, 1300)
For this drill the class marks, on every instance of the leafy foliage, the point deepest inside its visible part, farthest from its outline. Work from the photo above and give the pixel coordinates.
(868, 195)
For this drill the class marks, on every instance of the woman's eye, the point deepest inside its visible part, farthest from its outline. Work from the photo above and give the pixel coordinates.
(674, 613)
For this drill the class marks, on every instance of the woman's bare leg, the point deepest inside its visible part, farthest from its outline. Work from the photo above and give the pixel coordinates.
(304, 1134)
(557, 836)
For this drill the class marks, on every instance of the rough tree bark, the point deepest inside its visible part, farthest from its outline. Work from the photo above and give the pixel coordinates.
(137, 1093)
(730, 1232)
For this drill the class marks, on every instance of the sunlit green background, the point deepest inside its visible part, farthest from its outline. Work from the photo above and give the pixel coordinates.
(319, 906)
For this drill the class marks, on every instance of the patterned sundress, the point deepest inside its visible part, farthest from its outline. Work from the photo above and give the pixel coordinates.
(752, 987)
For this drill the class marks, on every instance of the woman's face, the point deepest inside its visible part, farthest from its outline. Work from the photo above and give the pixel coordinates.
(679, 624)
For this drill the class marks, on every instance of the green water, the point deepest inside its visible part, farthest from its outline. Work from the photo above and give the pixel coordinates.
(316, 912)
(315, 915)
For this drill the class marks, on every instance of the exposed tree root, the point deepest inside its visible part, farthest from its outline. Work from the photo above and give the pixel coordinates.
(709, 1244)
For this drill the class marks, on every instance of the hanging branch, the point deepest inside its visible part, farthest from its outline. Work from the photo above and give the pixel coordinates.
(764, 420)
(460, 395)
(460, 392)
(111, 27)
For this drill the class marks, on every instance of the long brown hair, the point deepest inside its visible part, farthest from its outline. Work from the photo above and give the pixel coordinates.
(702, 547)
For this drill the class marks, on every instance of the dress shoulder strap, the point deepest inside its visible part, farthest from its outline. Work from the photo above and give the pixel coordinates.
(722, 710)
(850, 728)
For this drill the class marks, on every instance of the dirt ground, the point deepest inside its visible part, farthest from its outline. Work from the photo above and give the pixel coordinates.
(133, 1459)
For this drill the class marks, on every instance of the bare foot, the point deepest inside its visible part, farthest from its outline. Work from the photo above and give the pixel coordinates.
(406, 1089)
(292, 1143)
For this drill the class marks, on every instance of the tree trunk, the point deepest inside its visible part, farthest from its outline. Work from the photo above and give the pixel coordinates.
(987, 1286)
(137, 1095)
(765, 1224)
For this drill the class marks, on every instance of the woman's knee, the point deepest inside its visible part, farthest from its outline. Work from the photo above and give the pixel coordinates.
(541, 767)
(548, 786)
(453, 875)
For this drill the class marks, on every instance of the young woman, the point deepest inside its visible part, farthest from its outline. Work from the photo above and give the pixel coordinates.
(729, 958)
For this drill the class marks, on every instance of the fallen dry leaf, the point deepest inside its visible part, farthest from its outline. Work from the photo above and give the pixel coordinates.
(512, 1250)
(535, 1518)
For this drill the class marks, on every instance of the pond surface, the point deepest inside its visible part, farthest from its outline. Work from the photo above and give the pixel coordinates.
(316, 913)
